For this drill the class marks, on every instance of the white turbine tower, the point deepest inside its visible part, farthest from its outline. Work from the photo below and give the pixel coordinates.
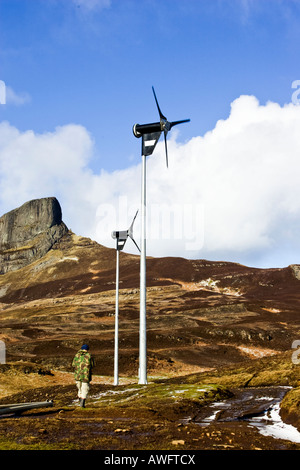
(121, 238)
(150, 134)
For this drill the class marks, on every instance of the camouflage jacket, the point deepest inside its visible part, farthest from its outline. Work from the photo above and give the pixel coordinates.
(83, 364)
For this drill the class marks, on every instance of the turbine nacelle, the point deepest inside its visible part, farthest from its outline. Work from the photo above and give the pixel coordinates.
(122, 235)
(151, 132)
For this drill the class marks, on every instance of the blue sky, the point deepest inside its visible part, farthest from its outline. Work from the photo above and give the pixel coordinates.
(96, 66)
(91, 64)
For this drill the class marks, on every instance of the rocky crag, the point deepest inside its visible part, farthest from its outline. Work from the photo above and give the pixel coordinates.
(29, 232)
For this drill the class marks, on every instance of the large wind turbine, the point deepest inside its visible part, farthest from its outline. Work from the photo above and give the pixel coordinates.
(121, 238)
(150, 134)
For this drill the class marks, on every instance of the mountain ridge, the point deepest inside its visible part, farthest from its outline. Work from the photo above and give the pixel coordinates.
(200, 314)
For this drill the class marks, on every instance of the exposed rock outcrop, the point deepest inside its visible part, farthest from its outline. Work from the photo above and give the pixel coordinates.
(29, 232)
(296, 270)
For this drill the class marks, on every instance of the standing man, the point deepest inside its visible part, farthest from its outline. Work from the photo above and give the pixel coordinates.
(83, 364)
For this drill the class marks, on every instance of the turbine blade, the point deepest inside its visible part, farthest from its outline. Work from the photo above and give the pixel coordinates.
(160, 113)
(130, 231)
(166, 147)
(174, 123)
(134, 218)
(135, 243)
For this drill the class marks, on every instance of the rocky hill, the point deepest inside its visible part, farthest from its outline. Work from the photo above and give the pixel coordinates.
(200, 314)
(27, 233)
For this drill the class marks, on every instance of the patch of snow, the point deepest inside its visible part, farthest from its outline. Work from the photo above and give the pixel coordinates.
(272, 425)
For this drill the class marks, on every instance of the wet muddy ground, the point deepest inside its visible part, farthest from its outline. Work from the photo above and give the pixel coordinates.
(244, 405)
(66, 426)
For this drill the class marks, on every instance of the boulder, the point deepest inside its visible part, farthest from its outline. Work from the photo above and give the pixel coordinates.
(29, 232)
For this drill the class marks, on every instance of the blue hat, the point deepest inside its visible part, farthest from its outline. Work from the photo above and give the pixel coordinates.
(85, 347)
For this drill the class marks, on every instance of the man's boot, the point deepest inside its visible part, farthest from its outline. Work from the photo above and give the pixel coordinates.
(82, 402)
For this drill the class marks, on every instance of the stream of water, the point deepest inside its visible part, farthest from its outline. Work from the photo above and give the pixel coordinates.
(259, 407)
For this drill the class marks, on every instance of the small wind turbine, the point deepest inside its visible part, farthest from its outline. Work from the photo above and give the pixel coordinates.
(150, 134)
(121, 238)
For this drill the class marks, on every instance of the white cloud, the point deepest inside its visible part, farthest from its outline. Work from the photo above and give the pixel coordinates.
(17, 99)
(232, 194)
